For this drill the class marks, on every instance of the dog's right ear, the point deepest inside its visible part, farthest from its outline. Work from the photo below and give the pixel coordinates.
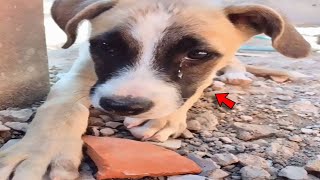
(69, 13)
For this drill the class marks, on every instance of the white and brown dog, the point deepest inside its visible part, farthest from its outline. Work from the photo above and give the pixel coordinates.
(147, 60)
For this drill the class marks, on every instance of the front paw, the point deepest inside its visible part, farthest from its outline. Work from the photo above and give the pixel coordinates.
(236, 78)
(29, 160)
(157, 129)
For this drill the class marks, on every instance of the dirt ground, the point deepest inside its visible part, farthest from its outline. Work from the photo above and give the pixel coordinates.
(277, 121)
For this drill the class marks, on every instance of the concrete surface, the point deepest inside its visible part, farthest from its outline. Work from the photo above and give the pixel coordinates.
(24, 67)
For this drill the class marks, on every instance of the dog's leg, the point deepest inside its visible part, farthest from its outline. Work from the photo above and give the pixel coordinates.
(54, 136)
(169, 126)
(235, 73)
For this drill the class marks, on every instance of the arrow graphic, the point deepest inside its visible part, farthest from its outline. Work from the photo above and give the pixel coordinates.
(222, 99)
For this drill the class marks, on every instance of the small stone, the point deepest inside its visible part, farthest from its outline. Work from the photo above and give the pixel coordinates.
(294, 173)
(22, 115)
(295, 138)
(276, 149)
(219, 174)
(253, 131)
(313, 166)
(279, 79)
(93, 121)
(246, 118)
(194, 125)
(187, 177)
(225, 140)
(4, 128)
(18, 126)
(225, 159)
(252, 160)
(308, 131)
(252, 172)
(107, 132)
(172, 144)
(304, 106)
(284, 98)
(207, 120)
(207, 165)
(106, 118)
(218, 85)
(187, 134)
(94, 131)
(113, 125)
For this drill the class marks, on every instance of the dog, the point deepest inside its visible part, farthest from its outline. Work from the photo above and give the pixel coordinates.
(147, 60)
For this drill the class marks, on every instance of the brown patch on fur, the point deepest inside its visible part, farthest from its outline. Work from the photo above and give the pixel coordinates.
(256, 19)
(69, 13)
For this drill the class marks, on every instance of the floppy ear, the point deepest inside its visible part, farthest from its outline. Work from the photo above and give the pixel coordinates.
(69, 13)
(256, 19)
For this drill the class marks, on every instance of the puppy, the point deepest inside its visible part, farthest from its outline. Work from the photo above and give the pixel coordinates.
(147, 60)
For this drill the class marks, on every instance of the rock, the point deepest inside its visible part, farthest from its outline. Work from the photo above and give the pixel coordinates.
(252, 172)
(172, 144)
(110, 154)
(225, 159)
(218, 85)
(22, 115)
(294, 173)
(107, 132)
(295, 138)
(94, 131)
(248, 132)
(246, 118)
(187, 177)
(303, 106)
(193, 125)
(284, 98)
(207, 165)
(313, 166)
(4, 128)
(18, 126)
(225, 140)
(280, 79)
(207, 120)
(276, 149)
(93, 121)
(219, 174)
(187, 134)
(308, 131)
(252, 160)
(106, 118)
(113, 125)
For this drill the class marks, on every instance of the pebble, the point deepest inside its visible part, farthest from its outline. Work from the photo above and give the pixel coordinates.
(172, 144)
(187, 177)
(225, 159)
(252, 172)
(207, 165)
(295, 138)
(313, 166)
(93, 121)
(18, 126)
(194, 125)
(22, 115)
(218, 85)
(276, 149)
(252, 160)
(113, 125)
(246, 118)
(308, 131)
(248, 132)
(294, 173)
(219, 174)
(208, 120)
(107, 132)
(187, 134)
(4, 128)
(279, 79)
(284, 98)
(225, 140)
(303, 106)
(106, 118)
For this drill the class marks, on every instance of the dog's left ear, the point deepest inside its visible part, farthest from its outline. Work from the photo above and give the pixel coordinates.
(256, 19)
(69, 13)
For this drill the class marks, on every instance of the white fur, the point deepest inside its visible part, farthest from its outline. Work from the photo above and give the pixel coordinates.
(142, 80)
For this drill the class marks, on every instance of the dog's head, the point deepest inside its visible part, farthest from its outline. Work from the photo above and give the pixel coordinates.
(151, 56)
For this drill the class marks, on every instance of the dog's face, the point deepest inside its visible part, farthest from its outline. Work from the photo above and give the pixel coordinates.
(152, 56)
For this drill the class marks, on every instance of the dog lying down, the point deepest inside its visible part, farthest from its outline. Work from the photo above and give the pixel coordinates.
(147, 60)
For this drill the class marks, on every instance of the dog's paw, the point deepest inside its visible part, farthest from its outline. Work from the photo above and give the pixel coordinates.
(236, 78)
(30, 161)
(157, 129)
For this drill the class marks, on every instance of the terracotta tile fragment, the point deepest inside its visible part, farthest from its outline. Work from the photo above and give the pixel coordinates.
(123, 158)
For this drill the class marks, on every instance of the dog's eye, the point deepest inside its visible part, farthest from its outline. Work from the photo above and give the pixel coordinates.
(109, 49)
(198, 55)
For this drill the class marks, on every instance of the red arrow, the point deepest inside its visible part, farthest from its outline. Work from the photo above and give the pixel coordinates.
(222, 99)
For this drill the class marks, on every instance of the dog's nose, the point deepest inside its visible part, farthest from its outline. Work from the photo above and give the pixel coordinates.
(126, 106)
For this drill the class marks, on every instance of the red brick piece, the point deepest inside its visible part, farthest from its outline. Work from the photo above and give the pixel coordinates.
(123, 158)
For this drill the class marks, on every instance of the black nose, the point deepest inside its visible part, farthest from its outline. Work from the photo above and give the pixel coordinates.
(125, 106)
